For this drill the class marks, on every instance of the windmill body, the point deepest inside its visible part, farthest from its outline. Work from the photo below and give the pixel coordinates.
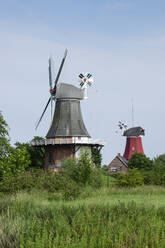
(133, 141)
(67, 136)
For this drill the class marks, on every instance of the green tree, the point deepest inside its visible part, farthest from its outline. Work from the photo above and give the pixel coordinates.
(96, 157)
(160, 158)
(16, 162)
(4, 138)
(37, 153)
(157, 175)
(140, 161)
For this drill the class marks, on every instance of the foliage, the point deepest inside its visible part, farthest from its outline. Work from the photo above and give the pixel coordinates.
(4, 138)
(96, 178)
(158, 173)
(117, 218)
(132, 179)
(80, 170)
(160, 158)
(140, 161)
(105, 168)
(96, 157)
(16, 162)
(37, 154)
(38, 179)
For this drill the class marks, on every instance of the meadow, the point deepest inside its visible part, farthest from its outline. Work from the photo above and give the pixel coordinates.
(105, 217)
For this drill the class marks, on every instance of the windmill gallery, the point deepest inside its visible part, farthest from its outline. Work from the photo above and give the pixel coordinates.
(67, 136)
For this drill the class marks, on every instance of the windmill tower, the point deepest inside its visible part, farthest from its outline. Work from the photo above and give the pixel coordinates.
(67, 136)
(133, 140)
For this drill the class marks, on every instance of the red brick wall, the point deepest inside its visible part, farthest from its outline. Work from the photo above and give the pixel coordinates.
(55, 154)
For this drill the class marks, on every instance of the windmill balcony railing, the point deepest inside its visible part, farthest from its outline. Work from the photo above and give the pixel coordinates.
(74, 140)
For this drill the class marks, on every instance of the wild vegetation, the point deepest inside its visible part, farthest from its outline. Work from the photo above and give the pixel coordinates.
(101, 218)
(82, 206)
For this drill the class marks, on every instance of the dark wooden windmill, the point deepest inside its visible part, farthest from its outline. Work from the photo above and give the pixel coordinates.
(67, 136)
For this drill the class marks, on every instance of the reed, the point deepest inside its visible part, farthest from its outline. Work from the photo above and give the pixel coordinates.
(117, 218)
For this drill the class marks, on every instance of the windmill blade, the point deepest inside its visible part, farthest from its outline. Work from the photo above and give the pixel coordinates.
(51, 72)
(43, 113)
(60, 69)
(51, 102)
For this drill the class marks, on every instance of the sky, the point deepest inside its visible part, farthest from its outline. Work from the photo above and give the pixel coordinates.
(121, 42)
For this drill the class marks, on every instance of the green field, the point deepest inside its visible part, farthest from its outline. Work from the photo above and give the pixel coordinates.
(101, 218)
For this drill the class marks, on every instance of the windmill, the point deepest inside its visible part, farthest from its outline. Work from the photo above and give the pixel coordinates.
(67, 136)
(133, 134)
(133, 141)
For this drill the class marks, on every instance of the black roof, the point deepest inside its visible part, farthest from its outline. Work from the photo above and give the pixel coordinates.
(134, 132)
(68, 119)
(68, 91)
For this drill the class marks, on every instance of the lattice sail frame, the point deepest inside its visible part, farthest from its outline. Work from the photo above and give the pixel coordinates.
(85, 80)
(122, 126)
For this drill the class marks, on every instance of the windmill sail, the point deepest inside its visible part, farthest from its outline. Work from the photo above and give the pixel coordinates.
(52, 89)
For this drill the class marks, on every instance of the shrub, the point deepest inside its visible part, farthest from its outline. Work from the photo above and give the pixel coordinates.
(132, 179)
(40, 180)
(80, 170)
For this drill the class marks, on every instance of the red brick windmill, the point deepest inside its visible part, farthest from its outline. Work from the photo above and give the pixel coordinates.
(133, 141)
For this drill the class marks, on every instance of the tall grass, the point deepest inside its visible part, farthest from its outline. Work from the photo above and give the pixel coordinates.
(107, 218)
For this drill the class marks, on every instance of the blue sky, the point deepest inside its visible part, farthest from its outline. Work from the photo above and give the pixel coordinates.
(121, 42)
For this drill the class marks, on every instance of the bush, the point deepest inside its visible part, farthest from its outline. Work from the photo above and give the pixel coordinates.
(132, 179)
(82, 172)
(38, 179)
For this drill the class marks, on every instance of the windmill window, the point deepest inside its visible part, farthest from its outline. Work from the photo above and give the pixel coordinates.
(113, 169)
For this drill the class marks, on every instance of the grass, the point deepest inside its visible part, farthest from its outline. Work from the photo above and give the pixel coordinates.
(107, 217)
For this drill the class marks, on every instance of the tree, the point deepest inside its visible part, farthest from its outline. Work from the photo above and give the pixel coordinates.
(15, 163)
(37, 154)
(96, 157)
(157, 175)
(161, 159)
(4, 138)
(140, 161)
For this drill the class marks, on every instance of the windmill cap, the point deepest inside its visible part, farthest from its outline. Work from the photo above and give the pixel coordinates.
(68, 91)
(134, 132)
